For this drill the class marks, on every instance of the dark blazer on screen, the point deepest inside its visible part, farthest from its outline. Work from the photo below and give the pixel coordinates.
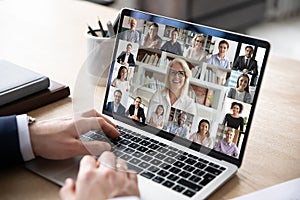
(140, 114)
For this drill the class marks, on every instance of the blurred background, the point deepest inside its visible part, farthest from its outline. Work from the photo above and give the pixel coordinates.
(278, 21)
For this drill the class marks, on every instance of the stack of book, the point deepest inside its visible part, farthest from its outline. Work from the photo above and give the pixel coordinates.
(22, 90)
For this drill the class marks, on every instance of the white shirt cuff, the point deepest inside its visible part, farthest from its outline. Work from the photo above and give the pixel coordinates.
(126, 198)
(24, 138)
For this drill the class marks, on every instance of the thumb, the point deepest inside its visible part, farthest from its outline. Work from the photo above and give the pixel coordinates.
(96, 147)
(67, 192)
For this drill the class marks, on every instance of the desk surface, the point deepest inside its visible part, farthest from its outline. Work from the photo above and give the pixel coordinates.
(47, 36)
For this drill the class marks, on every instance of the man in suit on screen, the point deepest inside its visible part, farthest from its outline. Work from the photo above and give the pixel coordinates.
(247, 64)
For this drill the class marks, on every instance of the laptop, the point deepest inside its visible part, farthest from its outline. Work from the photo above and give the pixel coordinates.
(183, 96)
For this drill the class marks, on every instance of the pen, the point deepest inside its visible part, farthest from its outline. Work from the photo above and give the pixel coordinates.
(92, 31)
(101, 27)
(110, 29)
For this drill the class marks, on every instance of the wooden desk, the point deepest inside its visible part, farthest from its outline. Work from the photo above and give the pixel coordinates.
(47, 36)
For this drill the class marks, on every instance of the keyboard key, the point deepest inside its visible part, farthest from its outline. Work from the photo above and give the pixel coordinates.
(118, 153)
(153, 146)
(134, 145)
(142, 149)
(189, 193)
(163, 173)
(135, 168)
(126, 157)
(194, 179)
(222, 168)
(125, 142)
(153, 169)
(162, 150)
(128, 151)
(156, 162)
(181, 157)
(180, 152)
(173, 148)
(160, 156)
(165, 166)
(203, 160)
(175, 170)
(150, 152)
(199, 172)
(158, 179)
(136, 134)
(200, 165)
(137, 154)
(179, 164)
(173, 177)
(213, 165)
(144, 165)
(154, 141)
(136, 139)
(147, 174)
(144, 143)
(170, 160)
(189, 168)
(135, 161)
(146, 158)
(189, 184)
(184, 174)
(193, 156)
(168, 184)
(144, 137)
(171, 154)
(162, 144)
(207, 178)
(213, 170)
(190, 161)
(178, 188)
(120, 147)
(127, 136)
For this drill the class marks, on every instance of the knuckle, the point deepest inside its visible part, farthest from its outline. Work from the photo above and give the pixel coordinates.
(87, 175)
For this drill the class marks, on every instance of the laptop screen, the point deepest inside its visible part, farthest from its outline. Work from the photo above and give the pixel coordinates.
(186, 81)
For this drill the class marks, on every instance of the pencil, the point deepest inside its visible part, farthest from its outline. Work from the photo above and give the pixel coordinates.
(110, 29)
(101, 27)
(92, 31)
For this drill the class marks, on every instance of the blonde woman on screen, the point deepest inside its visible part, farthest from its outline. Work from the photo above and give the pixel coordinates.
(196, 52)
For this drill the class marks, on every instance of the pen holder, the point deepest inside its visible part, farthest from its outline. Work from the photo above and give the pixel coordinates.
(98, 72)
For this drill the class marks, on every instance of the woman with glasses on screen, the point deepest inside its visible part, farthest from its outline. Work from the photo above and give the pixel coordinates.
(196, 52)
(175, 92)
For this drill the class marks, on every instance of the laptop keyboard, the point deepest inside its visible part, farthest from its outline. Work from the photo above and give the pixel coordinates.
(163, 164)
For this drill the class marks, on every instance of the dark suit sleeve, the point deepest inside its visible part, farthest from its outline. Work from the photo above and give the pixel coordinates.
(131, 61)
(142, 115)
(129, 111)
(237, 64)
(121, 57)
(108, 107)
(9, 141)
(121, 110)
(253, 67)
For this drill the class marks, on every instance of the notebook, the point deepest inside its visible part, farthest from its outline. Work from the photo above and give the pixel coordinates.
(17, 82)
(183, 105)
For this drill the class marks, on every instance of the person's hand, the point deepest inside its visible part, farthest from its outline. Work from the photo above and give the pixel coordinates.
(245, 70)
(103, 179)
(59, 138)
(125, 64)
(135, 117)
